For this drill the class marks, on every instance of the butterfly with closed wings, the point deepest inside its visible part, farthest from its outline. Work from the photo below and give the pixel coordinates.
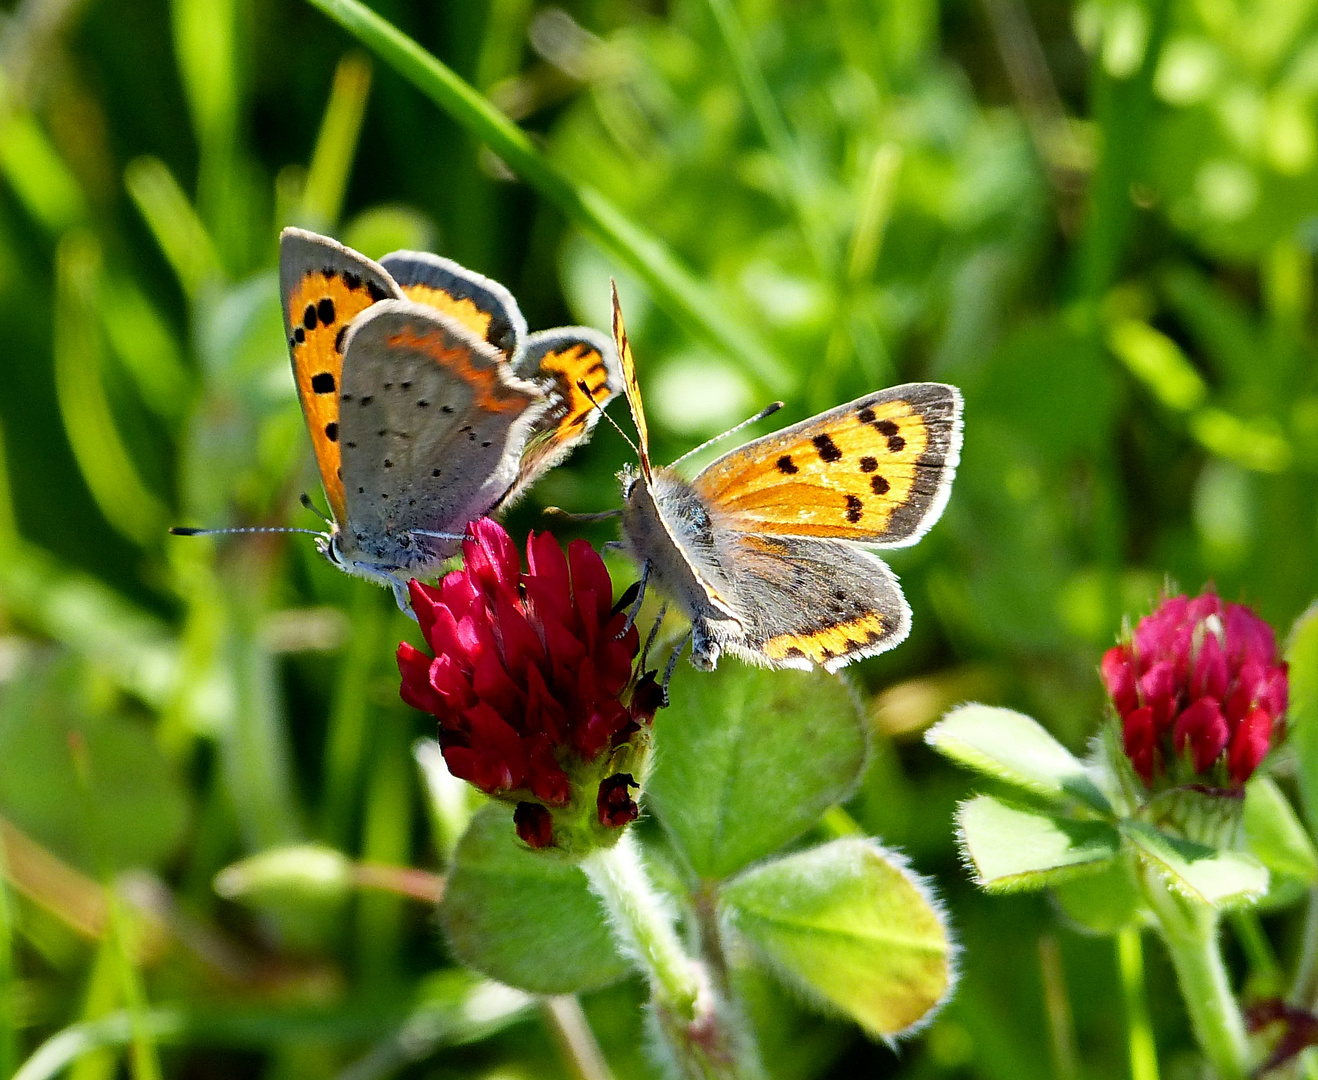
(428, 403)
(765, 549)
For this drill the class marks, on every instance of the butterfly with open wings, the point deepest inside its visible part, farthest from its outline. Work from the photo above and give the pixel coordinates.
(765, 549)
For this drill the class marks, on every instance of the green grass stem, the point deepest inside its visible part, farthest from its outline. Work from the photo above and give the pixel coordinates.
(674, 287)
(1139, 1028)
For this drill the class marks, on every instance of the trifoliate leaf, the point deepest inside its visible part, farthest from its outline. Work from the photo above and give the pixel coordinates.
(1014, 848)
(1014, 748)
(853, 927)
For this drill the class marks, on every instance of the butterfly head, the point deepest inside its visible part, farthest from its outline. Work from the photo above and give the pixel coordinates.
(628, 477)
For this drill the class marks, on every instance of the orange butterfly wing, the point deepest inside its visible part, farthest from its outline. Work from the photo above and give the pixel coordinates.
(630, 384)
(578, 369)
(324, 286)
(877, 470)
(478, 303)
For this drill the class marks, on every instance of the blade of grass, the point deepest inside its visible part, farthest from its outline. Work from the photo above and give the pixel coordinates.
(173, 222)
(386, 839)
(42, 181)
(173, 1027)
(1124, 109)
(121, 951)
(581, 1052)
(336, 145)
(255, 747)
(9, 1046)
(100, 998)
(1139, 1028)
(347, 740)
(145, 346)
(874, 211)
(74, 609)
(102, 457)
(773, 129)
(142, 1044)
(673, 286)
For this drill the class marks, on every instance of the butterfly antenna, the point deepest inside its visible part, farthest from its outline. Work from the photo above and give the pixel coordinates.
(305, 500)
(581, 385)
(182, 530)
(768, 410)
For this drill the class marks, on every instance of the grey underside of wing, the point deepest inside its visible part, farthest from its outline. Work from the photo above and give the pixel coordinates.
(803, 585)
(418, 452)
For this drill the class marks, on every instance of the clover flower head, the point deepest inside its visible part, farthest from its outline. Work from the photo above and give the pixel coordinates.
(1201, 691)
(530, 682)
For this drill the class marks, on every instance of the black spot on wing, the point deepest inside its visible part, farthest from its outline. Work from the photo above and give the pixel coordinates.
(323, 382)
(787, 465)
(828, 450)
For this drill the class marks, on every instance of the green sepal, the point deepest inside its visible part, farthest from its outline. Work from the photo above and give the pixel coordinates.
(1013, 848)
(1221, 879)
(1274, 834)
(1106, 901)
(1014, 748)
(748, 760)
(523, 917)
(853, 928)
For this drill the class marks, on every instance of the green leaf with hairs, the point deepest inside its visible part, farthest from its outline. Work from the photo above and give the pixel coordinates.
(1199, 872)
(1014, 848)
(748, 760)
(1014, 748)
(523, 917)
(848, 923)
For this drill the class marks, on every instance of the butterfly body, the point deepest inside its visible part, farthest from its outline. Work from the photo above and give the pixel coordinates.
(428, 403)
(669, 527)
(766, 548)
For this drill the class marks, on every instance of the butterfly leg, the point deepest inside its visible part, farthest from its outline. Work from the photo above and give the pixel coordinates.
(654, 633)
(640, 597)
(580, 519)
(705, 650)
(672, 663)
(402, 596)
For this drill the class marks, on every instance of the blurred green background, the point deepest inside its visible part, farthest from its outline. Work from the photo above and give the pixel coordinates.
(1097, 219)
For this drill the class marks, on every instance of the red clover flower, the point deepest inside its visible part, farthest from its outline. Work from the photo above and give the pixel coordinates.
(1201, 691)
(528, 681)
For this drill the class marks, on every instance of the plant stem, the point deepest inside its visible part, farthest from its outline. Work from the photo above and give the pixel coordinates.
(1190, 932)
(584, 1058)
(617, 876)
(705, 1036)
(1139, 1030)
(1306, 970)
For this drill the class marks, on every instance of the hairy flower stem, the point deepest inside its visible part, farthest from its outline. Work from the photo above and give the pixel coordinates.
(700, 1032)
(1190, 931)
